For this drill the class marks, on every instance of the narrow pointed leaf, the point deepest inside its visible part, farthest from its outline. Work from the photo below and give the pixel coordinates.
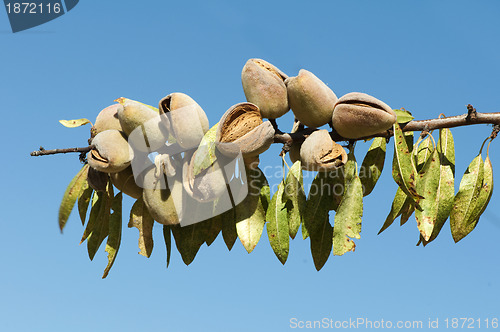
(466, 199)
(424, 152)
(101, 226)
(396, 209)
(229, 228)
(71, 194)
(167, 236)
(213, 229)
(251, 212)
(295, 198)
(142, 220)
(98, 199)
(115, 232)
(321, 241)
(205, 154)
(188, 240)
(407, 210)
(347, 222)
(277, 225)
(445, 192)
(403, 116)
(372, 165)
(428, 187)
(404, 172)
(484, 195)
(84, 201)
(74, 123)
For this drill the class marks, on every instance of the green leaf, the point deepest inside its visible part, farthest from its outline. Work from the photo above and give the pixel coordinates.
(84, 201)
(404, 172)
(295, 198)
(325, 195)
(167, 236)
(101, 225)
(321, 241)
(74, 123)
(115, 232)
(189, 239)
(213, 229)
(372, 165)
(347, 222)
(205, 154)
(142, 220)
(446, 188)
(428, 187)
(484, 195)
(97, 200)
(71, 194)
(403, 116)
(251, 212)
(407, 210)
(424, 152)
(229, 234)
(396, 209)
(277, 225)
(466, 199)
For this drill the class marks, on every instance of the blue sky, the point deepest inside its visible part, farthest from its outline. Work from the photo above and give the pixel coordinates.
(430, 57)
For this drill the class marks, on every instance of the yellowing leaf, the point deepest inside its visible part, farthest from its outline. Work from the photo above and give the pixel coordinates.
(72, 192)
(396, 209)
(347, 222)
(84, 201)
(466, 199)
(74, 123)
(142, 220)
(251, 212)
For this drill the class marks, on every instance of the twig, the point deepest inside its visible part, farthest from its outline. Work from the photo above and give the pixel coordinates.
(43, 152)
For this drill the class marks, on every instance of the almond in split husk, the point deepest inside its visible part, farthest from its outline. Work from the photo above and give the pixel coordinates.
(320, 153)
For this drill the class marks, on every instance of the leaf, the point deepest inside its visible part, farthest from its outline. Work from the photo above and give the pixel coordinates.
(403, 116)
(372, 165)
(84, 201)
(321, 242)
(424, 151)
(97, 200)
(122, 101)
(189, 239)
(142, 220)
(466, 199)
(295, 198)
(229, 228)
(277, 225)
(428, 187)
(347, 222)
(251, 212)
(325, 195)
(71, 194)
(396, 209)
(74, 123)
(115, 232)
(100, 229)
(205, 154)
(446, 188)
(167, 236)
(213, 229)
(484, 195)
(404, 172)
(407, 210)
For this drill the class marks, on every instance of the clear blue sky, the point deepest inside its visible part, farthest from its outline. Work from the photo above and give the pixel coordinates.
(427, 56)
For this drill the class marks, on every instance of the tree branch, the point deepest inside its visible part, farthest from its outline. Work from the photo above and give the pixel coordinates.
(43, 152)
(471, 118)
